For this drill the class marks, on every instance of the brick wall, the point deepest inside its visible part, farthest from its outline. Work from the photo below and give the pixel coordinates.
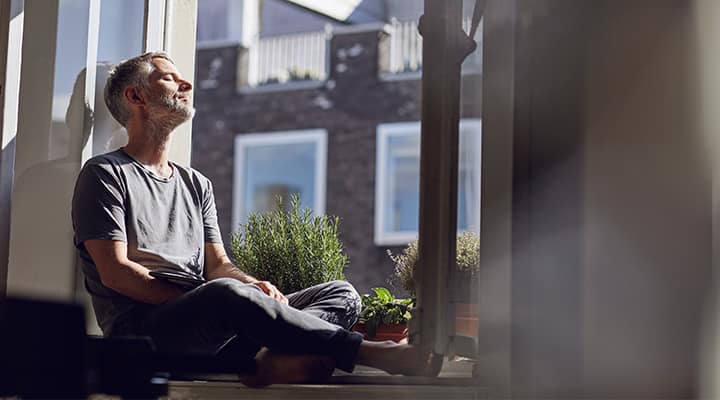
(350, 105)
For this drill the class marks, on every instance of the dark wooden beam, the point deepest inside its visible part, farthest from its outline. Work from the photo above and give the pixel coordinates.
(442, 55)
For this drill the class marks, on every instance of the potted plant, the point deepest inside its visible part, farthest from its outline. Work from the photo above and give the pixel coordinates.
(383, 316)
(468, 263)
(290, 248)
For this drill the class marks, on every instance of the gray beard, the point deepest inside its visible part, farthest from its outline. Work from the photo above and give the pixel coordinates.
(165, 115)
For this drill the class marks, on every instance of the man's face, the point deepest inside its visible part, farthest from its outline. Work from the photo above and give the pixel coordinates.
(169, 95)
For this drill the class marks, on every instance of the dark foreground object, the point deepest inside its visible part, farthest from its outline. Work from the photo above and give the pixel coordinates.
(45, 353)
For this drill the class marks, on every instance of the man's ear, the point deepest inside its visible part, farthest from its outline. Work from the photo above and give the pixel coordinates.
(134, 95)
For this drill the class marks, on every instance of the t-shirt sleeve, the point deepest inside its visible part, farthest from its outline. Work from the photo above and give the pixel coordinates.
(98, 206)
(210, 221)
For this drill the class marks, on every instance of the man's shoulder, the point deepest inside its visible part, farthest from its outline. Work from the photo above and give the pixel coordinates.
(109, 167)
(193, 174)
(113, 158)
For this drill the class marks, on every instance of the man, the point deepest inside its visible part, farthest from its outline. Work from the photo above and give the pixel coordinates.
(135, 211)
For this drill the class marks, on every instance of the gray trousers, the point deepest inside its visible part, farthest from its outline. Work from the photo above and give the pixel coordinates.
(235, 320)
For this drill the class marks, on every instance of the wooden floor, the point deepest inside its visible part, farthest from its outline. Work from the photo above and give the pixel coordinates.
(454, 382)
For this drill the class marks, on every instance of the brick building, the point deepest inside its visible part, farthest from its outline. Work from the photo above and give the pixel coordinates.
(359, 125)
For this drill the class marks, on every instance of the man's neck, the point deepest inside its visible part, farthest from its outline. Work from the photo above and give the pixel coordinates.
(151, 147)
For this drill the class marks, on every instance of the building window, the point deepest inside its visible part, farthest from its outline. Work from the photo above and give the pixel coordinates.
(397, 181)
(268, 165)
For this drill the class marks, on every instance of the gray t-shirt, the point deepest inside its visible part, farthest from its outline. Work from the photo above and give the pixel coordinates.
(164, 221)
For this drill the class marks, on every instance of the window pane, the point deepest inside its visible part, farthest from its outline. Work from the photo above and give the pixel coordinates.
(70, 56)
(464, 279)
(272, 170)
(121, 37)
(403, 183)
(302, 94)
(121, 29)
(468, 211)
(400, 172)
(212, 20)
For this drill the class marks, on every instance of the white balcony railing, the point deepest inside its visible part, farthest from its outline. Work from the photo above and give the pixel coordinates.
(405, 54)
(288, 58)
(405, 47)
(303, 57)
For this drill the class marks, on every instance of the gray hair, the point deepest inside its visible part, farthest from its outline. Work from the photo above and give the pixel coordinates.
(134, 71)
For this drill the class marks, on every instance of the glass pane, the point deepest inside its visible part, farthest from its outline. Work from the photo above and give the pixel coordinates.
(469, 178)
(120, 38)
(121, 30)
(402, 187)
(212, 20)
(464, 279)
(70, 56)
(278, 170)
(349, 102)
(403, 183)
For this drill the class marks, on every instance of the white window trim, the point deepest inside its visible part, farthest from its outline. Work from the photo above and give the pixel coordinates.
(244, 141)
(384, 131)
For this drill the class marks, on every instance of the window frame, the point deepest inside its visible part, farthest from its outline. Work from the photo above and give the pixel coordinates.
(243, 141)
(381, 236)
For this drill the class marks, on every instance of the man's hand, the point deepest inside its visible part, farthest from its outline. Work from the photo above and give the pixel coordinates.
(270, 290)
(218, 265)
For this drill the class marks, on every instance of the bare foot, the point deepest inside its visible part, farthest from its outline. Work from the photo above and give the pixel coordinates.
(288, 368)
(400, 358)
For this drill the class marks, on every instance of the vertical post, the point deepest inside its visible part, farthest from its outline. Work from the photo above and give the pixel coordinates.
(11, 29)
(493, 367)
(90, 73)
(154, 31)
(180, 28)
(441, 30)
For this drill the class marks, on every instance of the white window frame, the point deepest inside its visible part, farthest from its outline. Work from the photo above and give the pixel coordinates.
(384, 132)
(248, 140)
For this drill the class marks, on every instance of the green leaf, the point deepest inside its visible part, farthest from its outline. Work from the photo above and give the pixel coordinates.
(384, 307)
(383, 294)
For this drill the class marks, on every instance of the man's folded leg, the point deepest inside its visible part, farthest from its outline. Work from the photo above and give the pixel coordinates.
(208, 317)
(336, 301)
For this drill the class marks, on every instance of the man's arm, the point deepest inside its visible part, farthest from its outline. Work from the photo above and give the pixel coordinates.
(127, 277)
(218, 265)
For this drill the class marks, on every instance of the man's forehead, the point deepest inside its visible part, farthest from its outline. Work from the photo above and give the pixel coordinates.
(163, 66)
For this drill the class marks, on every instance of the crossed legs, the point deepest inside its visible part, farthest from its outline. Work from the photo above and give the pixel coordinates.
(289, 345)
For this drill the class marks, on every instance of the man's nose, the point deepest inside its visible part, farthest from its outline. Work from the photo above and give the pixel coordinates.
(185, 86)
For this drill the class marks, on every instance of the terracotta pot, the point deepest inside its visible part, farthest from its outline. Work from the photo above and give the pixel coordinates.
(466, 319)
(394, 332)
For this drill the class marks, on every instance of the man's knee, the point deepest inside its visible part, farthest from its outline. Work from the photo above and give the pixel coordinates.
(345, 287)
(350, 296)
(226, 290)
